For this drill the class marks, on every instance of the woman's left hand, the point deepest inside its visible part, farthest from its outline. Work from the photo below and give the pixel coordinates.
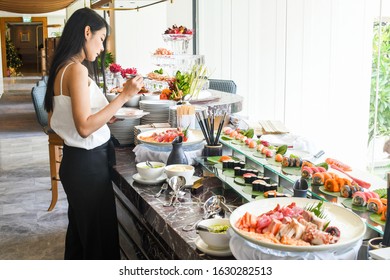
(114, 120)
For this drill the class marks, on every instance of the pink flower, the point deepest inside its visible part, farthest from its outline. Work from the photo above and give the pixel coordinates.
(128, 71)
(115, 68)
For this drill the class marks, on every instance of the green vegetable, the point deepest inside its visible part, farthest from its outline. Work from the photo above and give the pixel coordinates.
(160, 71)
(249, 133)
(318, 211)
(226, 138)
(324, 165)
(282, 150)
(219, 228)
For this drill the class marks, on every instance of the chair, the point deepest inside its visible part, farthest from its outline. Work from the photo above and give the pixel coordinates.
(55, 142)
(223, 85)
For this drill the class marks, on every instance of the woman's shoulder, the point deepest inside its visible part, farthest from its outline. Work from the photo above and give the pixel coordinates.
(76, 68)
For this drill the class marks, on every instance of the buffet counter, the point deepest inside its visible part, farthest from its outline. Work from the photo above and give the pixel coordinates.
(148, 230)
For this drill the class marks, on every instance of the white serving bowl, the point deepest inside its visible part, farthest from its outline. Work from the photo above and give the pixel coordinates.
(150, 173)
(215, 240)
(150, 96)
(111, 96)
(133, 102)
(185, 170)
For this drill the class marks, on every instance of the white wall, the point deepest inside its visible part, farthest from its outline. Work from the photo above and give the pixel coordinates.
(138, 34)
(304, 62)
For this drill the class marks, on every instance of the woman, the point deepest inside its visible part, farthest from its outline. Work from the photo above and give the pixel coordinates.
(78, 113)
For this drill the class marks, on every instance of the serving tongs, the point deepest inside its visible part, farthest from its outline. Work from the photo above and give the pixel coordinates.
(386, 234)
(211, 208)
(177, 184)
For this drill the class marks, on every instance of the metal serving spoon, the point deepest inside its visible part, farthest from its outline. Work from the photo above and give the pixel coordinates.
(149, 164)
(164, 187)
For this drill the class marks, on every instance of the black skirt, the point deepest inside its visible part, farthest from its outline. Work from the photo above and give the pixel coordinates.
(93, 228)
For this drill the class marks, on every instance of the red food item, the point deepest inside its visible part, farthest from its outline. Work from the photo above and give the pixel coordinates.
(339, 164)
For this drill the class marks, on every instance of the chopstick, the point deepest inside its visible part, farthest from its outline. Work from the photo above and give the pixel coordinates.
(212, 125)
(202, 127)
(221, 123)
(386, 234)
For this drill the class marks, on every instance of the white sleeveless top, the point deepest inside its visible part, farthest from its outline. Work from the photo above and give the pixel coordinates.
(62, 119)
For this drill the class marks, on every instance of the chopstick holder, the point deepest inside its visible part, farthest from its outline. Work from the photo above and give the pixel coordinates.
(186, 116)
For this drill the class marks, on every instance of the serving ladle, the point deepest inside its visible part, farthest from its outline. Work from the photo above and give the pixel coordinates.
(149, 164)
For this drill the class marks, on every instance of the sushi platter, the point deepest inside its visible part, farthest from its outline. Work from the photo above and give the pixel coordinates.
(350, 226)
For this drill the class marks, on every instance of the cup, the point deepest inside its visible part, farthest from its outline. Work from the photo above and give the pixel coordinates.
(300, 188)
(210, 151)
(375, 243)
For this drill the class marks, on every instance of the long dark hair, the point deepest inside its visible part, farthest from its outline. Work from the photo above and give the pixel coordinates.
(71, 43)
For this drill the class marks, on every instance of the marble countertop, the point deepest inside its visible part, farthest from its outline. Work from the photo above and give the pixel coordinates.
(169, 221)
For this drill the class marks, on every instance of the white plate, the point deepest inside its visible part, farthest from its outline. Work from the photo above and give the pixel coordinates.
(351, 226)
(211, 251)
(141, 180)
(130, 113)
(380, 254)
(195, 136)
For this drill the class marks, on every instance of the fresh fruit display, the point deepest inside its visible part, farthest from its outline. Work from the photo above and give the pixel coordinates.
(167, 136)
(290, 225)
(178, 30)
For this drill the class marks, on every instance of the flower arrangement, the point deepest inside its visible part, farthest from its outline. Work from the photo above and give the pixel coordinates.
(117, 68)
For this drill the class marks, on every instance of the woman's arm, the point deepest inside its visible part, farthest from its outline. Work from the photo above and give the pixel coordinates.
(76, 83)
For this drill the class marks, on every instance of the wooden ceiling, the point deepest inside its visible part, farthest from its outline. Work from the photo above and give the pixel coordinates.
(33, 6)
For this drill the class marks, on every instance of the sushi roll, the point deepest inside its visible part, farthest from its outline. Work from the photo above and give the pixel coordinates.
(291, 162)
(249, 178)
(267, 187)
(346, 191)
(375, 205)
(359, 199)
(306, 172)
(274, 187)
(258, 186)
(230, 164)
(298, 162)
(255, 171)
(318, 179)
(384, 214)
(237, 171)
(286, 161)
(242, 164)
(225, 164)
(321, 169)
(331, 185)
(267, 180)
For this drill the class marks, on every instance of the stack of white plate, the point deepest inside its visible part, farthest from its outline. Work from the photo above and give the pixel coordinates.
(158, 109)
(123, 130)
(173, 115)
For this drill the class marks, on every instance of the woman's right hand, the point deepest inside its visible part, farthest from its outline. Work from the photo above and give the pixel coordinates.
(132, 86)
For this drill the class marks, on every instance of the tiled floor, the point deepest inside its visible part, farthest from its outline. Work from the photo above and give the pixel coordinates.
(27, 230)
